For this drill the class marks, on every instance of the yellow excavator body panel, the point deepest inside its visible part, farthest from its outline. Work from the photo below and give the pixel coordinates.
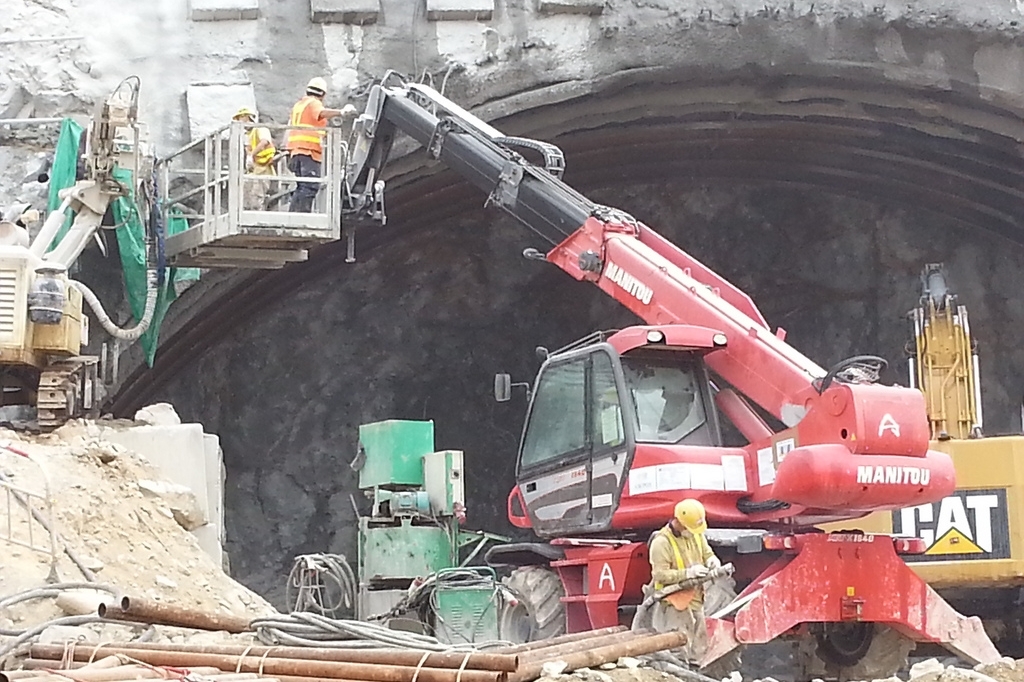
(975, 537)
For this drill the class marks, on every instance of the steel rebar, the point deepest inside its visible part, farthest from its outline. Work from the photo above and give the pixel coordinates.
(138, 610)
(550, 652)
(280, 666)
(561, 639)
(637, 646)
(436, 659)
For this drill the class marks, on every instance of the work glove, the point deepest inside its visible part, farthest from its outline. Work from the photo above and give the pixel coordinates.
(696, 571)
(713, 563)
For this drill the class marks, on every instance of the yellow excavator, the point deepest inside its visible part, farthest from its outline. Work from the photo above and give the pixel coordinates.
(975, 537)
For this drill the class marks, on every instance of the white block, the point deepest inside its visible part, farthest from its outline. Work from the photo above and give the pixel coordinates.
(460, 10)
(211, 106)
(178, 453)
(591, 7)
(215, 480)
(209, 538)
(344, 11)
(223, 10)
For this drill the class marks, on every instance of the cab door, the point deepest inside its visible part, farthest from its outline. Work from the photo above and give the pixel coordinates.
(573, 453)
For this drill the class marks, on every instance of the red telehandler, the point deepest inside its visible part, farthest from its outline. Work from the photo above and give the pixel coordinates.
(623, 425)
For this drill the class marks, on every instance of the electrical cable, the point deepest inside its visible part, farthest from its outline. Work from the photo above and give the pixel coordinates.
(54, 591)
(310, 629)
(315, 579)
(22, 636)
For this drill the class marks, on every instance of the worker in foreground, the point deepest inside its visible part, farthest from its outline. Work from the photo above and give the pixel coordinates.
(679, 552)
(259, 158)
(305, 142)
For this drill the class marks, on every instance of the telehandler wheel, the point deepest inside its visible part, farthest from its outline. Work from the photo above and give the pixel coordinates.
(539, 612)
(856, 651)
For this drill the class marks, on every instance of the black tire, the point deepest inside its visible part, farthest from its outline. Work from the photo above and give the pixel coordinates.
(539, 612)
(874, 652)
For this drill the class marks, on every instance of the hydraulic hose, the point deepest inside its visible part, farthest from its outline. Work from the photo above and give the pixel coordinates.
(132, 334)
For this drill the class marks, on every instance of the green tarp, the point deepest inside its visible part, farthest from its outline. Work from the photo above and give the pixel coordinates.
(130, 236)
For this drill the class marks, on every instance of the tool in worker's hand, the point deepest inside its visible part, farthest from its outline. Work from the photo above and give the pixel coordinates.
(641, 618)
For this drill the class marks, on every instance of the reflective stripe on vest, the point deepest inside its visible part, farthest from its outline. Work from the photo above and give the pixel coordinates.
(300, 138)
(680, 563)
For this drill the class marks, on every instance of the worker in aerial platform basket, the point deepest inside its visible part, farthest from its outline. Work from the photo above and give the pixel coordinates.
(305, 142)
(680, 553)
(259, 157)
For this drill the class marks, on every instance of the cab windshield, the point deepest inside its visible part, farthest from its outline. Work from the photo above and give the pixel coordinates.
(666, 396)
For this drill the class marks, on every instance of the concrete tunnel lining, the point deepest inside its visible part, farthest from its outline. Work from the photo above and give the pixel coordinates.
(839, 133)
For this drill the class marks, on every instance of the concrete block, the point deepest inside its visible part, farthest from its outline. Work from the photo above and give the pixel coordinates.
(460, 10)
(591, 7)
(178, 453)
(357, 12)
(209, 538)
(223, 10)
(211, 105)
(215, 479)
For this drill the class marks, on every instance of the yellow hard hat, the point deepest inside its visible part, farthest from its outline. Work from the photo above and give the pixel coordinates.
(316, 86)
(244, 111)
(690, 513)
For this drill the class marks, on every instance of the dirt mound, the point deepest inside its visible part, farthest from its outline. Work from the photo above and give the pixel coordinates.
(122, 532)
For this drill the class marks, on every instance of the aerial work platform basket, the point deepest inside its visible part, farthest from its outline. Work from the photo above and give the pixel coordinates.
(239, 219)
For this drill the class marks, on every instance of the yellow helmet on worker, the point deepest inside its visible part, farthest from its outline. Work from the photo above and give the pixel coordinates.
(690, 515)
(317, 87)
(244, 112)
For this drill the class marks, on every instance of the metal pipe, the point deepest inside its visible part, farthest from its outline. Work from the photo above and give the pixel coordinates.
(138, 610)
(605, 654)
(281, 666)
(28, 121)
(121, 672)
(561, 639)
(551, 652)
(478, 660)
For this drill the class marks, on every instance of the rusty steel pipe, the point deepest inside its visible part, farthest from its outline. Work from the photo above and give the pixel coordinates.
(138, 610)
(274, 667)
(438, 659)
(121, 672)
(561, 639)
(552, 652)
(606, 654)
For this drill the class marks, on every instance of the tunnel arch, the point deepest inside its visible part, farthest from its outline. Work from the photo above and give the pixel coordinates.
(940, 151)
(820, 186)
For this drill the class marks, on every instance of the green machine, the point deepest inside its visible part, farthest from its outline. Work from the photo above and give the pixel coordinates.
(411, 571)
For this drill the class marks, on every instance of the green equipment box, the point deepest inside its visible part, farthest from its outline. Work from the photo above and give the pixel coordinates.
(402, 552)
(394, 452)
(467, 612)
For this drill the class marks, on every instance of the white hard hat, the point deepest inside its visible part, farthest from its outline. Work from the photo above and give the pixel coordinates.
(316, 86)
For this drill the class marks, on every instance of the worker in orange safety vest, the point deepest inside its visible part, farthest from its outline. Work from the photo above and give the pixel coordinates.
(680, 552)
(305, 142)
(259, 157)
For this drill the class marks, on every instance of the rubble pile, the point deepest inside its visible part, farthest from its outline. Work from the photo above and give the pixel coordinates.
(118, 524)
